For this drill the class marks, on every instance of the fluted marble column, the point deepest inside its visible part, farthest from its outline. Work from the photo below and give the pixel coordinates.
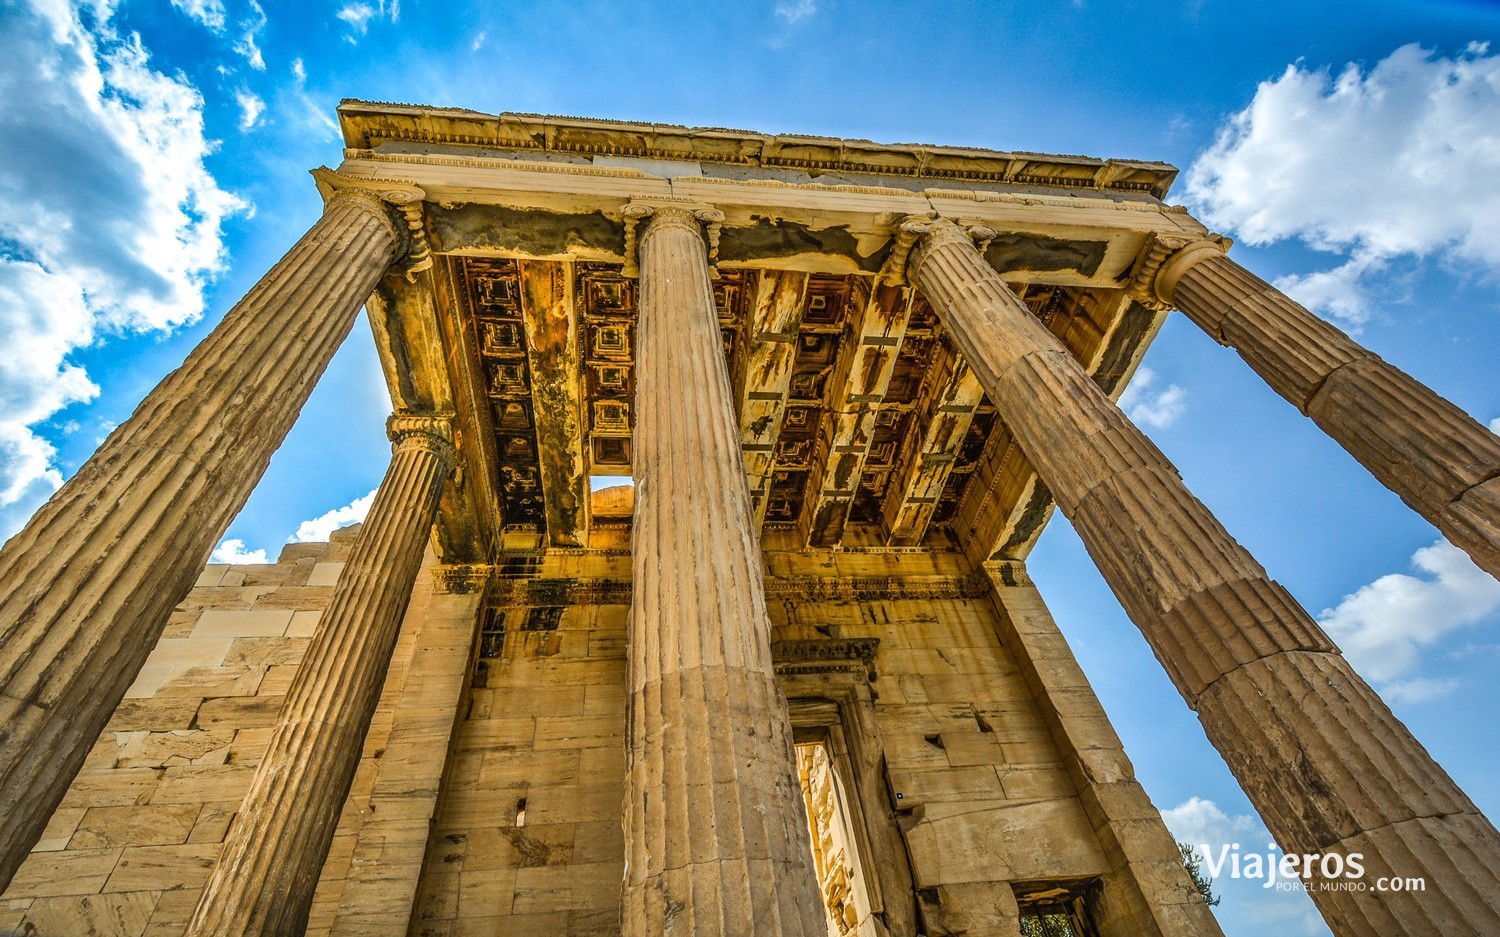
(715, 829)
(266, 874)
(1322, 758)
(1442, 462)
(88, 585)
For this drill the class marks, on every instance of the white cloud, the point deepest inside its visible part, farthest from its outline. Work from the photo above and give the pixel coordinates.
(1495, 426)
(359, 15)
(1146, 404)
(1397, 161)
(109, 219)
(233, 551)
(317, 530)
(1200, 822)
(320, 527)
(208, 12)
(251, 109)
(795, 11)
(1418, 689)
(248, 45)
(1383, 626)
(478, 42)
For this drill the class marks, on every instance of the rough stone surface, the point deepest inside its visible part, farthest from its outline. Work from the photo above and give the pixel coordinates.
(265, 878)
(715, 829)
(165, 777)
(77, 616)
(1415, 442)
(1318, 753)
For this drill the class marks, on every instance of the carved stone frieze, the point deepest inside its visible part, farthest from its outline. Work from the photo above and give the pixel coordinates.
(510, 589)
(826, 655)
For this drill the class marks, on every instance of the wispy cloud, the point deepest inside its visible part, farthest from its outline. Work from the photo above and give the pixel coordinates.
(478, 42)
(112, 221)
(208, 12)
(795, 11)
(251, 109)
(1495, 426)
(248, 44)
(1419, 689)
(311, 114)
(1397, 161)
(212, 15)
(1383, 626)
(1148, 404)
(358, 15)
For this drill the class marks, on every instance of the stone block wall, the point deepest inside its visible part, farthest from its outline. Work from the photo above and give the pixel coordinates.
(488, 799)
(528, 838)
(132, 843)
(974, 781)
(130, 848)
(979, 732)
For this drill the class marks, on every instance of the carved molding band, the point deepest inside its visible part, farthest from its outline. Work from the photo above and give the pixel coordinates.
(517, 590)
(826, 655)
(463, 579)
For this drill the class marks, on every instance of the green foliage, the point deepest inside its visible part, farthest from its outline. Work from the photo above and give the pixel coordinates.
(1194, 865)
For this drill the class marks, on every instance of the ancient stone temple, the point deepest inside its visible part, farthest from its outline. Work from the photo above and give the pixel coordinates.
(794, 680)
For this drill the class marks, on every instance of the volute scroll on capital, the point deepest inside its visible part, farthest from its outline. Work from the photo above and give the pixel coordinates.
(1164, 260)
(702, 220)
(431, 431)
(917, 235)
(396, 203)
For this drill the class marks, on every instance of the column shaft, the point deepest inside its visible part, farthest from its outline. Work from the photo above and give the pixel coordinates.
(88, 585)
(1442, 462)
(715, 829)
(1322, 758)
(266, 874)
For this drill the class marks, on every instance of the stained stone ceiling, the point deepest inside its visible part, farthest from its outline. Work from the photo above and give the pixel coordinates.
(861, 424)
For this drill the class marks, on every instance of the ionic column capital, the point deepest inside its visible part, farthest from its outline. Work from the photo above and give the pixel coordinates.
(1165, 258)
(917, 235)
(702, 220)
(433, 432)
(397, 204)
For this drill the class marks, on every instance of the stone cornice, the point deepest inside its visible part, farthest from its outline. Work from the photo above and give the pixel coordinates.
(552, 590)
(1073, 199)
(826, 655)
(367, 125)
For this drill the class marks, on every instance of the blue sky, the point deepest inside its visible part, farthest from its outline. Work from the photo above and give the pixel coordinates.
(153, 164)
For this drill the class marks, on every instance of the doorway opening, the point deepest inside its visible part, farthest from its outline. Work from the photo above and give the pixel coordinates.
(846, 903)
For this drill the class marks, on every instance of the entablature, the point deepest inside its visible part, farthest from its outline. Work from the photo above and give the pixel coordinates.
(861, 425)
